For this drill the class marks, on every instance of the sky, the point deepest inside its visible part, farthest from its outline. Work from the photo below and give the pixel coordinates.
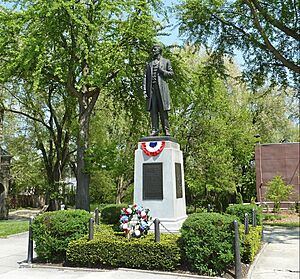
(174, 38)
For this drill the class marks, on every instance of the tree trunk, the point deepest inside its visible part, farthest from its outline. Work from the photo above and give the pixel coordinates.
(53, 181)
(120, 190)
(83, 176)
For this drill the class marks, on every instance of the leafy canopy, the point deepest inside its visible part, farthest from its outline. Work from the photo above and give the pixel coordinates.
(264, 31)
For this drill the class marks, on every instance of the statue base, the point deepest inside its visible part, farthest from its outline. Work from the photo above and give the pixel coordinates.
(159, 181)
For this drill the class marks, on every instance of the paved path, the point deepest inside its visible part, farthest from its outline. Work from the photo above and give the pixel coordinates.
(279, 258)
(12, 251)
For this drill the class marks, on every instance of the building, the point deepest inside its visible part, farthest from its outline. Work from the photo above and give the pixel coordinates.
(277, 159)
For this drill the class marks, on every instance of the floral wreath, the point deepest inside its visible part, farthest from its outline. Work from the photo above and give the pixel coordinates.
(134, 221)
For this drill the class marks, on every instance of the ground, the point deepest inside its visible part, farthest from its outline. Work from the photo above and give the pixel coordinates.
(283, 217)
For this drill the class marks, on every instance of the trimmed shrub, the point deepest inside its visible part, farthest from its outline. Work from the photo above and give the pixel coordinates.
(207, 242)
(52, 232)
(251, 244)
(239, 210)
(110, 214)
(110, 249)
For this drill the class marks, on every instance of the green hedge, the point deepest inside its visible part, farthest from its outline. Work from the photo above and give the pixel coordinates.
(110, 214)
(109, 249)
(251, 244)
(207, 242)
(239, 210)
(52, 232)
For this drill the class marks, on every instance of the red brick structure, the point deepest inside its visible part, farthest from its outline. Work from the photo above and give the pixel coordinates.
(277, 159)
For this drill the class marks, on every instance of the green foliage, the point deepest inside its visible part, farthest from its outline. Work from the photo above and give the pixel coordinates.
(109, 249)
(271, 217)
(82, 49)
(115, 130)
(102, 187)
(275, 115)
(9, 227)
(52, 232)
(211, 117)
(100, 206)
(110, 214)
(278, 191)
(207, 242)
(27, 167)
(239, 210)
(251, 244)
(264, 31)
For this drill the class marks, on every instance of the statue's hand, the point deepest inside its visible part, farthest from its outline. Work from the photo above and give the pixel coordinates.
(160, 70)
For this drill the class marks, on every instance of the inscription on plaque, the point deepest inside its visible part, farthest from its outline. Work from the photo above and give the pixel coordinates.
(178, 176)
(153, 181)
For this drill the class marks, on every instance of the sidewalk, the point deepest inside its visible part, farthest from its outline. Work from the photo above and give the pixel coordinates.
(13, 250)
(279, 257)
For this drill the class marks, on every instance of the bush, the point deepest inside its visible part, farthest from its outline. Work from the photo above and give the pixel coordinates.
(239, 210)
(251, 244)
(278, 191)
(52, 232)
(207, 242)
(110, 249)
(110, 214)
(100, 206)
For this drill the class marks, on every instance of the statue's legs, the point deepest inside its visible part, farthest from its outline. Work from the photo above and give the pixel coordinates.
(154, 116)
(157, 107)
(165, 122)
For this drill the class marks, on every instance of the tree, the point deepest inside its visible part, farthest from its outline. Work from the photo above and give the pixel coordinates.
(266, 32)
(278, 191)
(45, 114)
(82, 46)
(275, 115)
(213, 124)
(115, 132)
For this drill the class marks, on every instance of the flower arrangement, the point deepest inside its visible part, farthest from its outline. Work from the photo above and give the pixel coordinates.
(134, 221)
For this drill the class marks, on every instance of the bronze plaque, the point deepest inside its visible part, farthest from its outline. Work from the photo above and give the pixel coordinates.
(178, 176)
(153, 181)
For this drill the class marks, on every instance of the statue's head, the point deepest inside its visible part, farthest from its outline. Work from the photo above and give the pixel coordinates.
(156, 49)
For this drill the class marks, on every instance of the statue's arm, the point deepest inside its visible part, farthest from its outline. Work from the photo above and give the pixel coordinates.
(168, 72)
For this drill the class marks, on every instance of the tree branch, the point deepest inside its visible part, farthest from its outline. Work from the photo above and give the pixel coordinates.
(268, 44)
(28, 116)
(275, 22)
(242, 31)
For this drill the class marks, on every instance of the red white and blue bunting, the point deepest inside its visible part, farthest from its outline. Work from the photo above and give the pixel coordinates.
(153, 148)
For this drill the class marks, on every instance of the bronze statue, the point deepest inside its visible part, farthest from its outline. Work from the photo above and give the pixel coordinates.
(156, 90)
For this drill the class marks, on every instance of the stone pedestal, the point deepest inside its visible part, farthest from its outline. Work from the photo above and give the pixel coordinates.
(159, 180)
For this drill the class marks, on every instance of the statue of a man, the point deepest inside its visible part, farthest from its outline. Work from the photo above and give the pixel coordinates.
(156, 90)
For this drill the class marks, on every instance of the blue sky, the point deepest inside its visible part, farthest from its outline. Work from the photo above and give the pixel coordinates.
(173, 37)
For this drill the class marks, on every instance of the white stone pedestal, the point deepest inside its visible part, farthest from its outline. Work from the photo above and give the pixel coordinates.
(159, 182)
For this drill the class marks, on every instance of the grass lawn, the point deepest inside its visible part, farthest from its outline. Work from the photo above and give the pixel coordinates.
(9, 227)
(284, 219)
